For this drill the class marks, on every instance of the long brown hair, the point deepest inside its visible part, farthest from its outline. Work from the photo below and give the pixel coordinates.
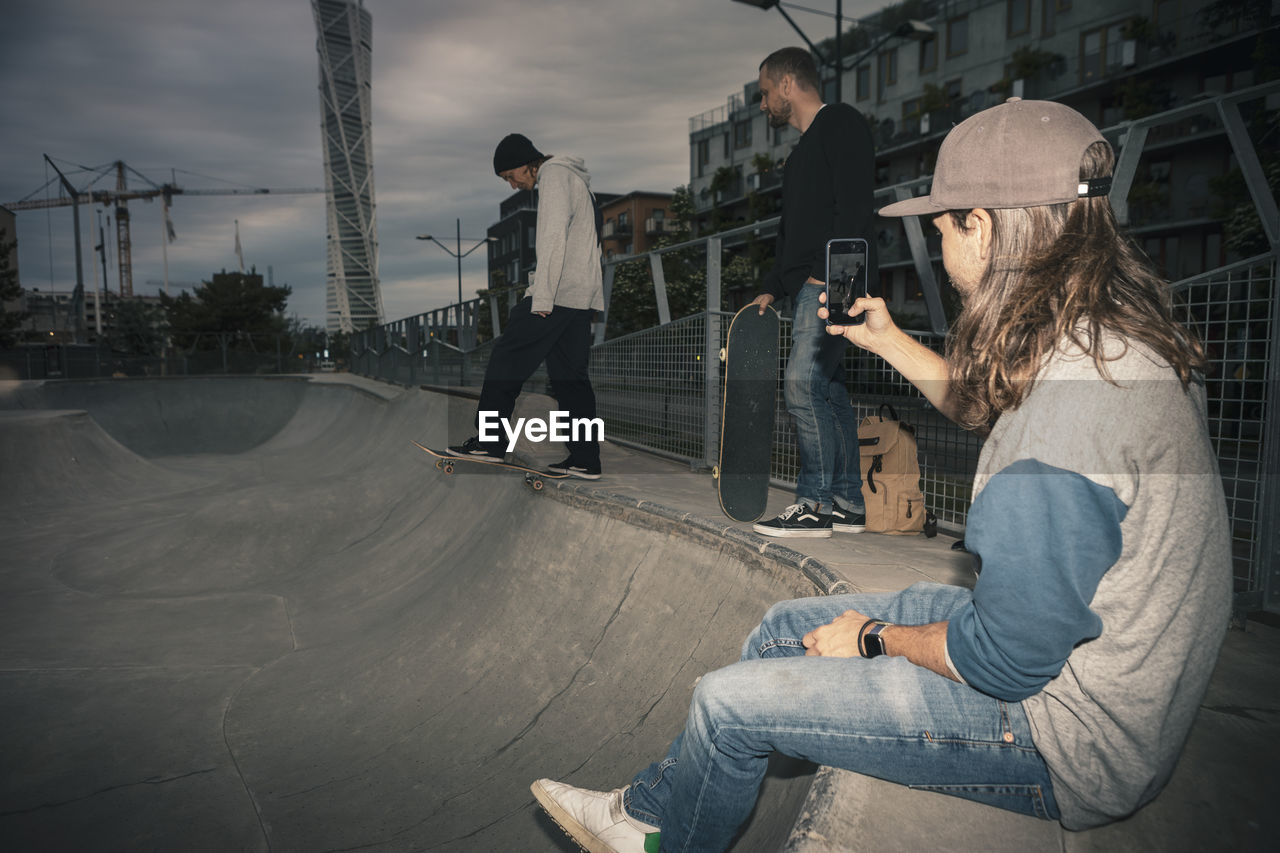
(1061, 271)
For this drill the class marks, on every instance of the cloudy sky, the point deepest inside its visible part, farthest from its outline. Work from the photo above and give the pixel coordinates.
(219, 95)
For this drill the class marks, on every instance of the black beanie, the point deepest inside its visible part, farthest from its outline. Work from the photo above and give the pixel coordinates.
(514, 151)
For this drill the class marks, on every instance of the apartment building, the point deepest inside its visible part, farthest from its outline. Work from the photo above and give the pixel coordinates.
(1113, 60)
(633, 222)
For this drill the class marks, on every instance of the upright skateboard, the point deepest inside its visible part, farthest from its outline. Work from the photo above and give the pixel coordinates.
(747, 415)
(446, 461)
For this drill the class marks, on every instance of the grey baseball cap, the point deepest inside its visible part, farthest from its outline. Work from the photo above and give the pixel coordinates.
(1018, 154)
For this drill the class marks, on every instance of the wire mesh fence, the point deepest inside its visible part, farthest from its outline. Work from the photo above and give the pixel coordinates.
(1234, 312)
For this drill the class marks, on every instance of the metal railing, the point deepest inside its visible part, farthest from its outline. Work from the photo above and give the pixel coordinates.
(660, 390)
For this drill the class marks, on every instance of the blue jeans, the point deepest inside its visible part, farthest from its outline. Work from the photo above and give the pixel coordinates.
(883, 717)
(816, 396)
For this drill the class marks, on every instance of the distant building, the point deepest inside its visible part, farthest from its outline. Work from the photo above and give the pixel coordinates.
(1112, 60)
(353, 299)
(511, 239)
(633, 222)
(51, 315)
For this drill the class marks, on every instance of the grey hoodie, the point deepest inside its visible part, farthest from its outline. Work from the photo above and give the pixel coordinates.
(568, 248)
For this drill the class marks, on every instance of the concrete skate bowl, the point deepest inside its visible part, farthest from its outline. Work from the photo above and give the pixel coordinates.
(246, 614)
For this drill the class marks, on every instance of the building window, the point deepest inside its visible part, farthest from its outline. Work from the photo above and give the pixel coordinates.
(910, 107)
(726, 145)
(1017, 17)
(1049, 16)
(951, 90)
(958, 36)
(532, 232)
(1100, 52)
(929, 54)
(742, 134)
(886, 71)
(624, 219)
(703, 155)
(864, 82)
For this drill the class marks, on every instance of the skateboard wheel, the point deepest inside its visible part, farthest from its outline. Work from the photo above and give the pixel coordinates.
(537, 485)
(448, 467)
(724, 354)
(715, 472)
(439, 464)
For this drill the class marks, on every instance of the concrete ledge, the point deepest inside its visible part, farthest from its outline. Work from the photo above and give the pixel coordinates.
(750, 547)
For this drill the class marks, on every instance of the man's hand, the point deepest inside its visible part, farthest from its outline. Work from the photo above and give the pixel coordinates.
(764, 300)
(836, 639)
(878, 326)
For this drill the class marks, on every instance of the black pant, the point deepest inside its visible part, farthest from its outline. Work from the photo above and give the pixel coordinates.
(563, 340)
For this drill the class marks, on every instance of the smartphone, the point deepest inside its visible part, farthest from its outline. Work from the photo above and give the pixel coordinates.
(846, 279)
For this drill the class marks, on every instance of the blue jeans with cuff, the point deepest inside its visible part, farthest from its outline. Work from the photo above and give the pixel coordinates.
(884, 717)
(816, 397)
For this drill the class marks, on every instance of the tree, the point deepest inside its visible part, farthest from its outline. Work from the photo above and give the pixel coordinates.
(136, 328)
(10, 291)
(632, 303)
(229, 305)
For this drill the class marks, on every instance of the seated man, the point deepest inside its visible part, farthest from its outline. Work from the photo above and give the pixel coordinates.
(1065, 683)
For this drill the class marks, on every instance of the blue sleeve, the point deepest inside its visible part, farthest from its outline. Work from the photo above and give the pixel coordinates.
(1045, 537)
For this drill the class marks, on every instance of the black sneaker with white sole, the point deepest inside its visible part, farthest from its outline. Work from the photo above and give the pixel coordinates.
(798, 521)
(472, 448)
(575, 469)
(847, 521)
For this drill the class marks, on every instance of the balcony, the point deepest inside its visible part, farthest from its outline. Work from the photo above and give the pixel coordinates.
(657, 226)
(616, 230)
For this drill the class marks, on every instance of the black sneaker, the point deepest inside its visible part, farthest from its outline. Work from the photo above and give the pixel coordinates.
(847, 521)
(473, 449)
(797, 521)
(573, 469)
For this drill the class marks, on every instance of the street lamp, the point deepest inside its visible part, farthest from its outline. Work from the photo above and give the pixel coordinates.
(911, 29)
(459, 254)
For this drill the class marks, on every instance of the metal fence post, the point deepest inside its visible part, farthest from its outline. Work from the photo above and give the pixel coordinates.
(660, 288)
(711, 358)
(609, 271)
(1269, 481)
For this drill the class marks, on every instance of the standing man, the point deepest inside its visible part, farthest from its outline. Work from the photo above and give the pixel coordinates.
(826, 193)
(1065, 683)
(553, 322)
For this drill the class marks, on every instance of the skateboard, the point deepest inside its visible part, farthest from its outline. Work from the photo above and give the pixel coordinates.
(747, 414)
(446, 461)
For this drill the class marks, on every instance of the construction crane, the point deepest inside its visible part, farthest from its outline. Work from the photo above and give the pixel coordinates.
(120, 197)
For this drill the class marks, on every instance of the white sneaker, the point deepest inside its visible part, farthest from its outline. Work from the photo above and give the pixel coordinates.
(596, 820)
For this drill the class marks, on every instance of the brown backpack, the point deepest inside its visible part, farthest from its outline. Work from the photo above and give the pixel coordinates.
(891, 476)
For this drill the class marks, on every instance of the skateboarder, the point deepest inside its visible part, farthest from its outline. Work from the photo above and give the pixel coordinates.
(826, 193)
(1064, 684)
(553, 322)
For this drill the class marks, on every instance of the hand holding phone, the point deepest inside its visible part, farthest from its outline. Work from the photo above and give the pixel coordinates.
(847, 279)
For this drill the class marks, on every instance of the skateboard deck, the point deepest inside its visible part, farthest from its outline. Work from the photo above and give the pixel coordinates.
(747, 414)
(445, 461)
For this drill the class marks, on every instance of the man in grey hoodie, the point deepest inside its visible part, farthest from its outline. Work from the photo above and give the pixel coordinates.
(553, 322)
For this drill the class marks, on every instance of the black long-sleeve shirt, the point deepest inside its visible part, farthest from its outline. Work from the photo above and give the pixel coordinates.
(827, 187)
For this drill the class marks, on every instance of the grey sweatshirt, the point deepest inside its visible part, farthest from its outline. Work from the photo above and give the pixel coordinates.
(1146, 587)
(568, 248)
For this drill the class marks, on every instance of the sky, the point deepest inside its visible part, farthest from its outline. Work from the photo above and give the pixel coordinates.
(222, 95)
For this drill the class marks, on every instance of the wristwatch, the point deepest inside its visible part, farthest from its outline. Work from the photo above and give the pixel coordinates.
(870, 643)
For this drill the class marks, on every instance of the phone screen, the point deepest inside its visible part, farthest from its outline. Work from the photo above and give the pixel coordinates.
(846, 279)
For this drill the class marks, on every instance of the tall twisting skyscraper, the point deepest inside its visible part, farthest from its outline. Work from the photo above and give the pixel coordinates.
(353, 299)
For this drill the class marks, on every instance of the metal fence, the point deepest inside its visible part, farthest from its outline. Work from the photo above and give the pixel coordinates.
(660, 390)
(86, 361)
(1235, 311)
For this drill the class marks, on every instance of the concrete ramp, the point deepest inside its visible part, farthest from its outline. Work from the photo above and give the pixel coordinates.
(246, 614)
